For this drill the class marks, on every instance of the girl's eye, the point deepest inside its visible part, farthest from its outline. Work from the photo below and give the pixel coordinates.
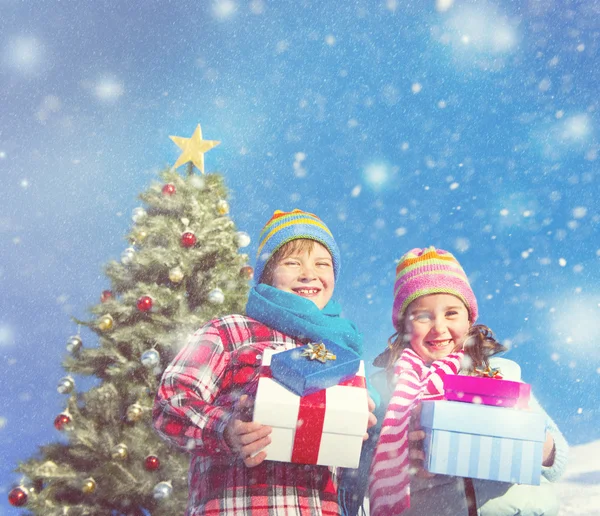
(451, 313)
(421, 317)
(290, 262)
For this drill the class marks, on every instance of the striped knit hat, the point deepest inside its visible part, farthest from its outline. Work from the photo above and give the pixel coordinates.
(430, 271)
(283, 227)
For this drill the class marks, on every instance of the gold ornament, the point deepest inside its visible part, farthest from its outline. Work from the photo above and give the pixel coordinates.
(176, 275)
(138, 236)
(318, 352)
(222, 207)
(134, 412)
(89, 486)
(193, 149)
(106, 323)
(119, 452)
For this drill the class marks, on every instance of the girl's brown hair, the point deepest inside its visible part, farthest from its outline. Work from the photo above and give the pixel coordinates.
(299, 246)
(479, 345)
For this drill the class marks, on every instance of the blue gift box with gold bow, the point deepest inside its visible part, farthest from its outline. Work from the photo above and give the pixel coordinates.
(316, 366)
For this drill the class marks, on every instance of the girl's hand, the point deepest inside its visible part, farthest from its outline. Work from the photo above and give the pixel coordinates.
(247, 438)
(548, 451)
(372, 419)
(415, 444)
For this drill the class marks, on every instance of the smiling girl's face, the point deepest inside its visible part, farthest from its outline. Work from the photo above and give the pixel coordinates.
(436, 325)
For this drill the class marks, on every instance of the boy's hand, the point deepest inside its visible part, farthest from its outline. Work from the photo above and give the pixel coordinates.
(372, 419)
(247, 438)
(415, 444)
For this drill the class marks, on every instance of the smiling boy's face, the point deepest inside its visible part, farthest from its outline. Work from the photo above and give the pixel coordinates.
(305, 272)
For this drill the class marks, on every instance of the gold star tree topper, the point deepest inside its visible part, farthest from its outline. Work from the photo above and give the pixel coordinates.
(193, 149)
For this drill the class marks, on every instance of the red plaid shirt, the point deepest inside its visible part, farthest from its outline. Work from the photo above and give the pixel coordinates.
(195, 402)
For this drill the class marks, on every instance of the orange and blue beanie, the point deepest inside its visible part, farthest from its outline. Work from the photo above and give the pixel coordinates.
(430, 271)
(283, 227)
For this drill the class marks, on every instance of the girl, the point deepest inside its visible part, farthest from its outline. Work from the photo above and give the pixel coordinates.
(205, 395)
(434, 313)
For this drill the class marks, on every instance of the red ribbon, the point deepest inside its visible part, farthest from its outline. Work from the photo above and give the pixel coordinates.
(309, 428)
(311, 418)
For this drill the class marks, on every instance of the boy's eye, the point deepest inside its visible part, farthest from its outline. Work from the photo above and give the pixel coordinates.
(324, 264)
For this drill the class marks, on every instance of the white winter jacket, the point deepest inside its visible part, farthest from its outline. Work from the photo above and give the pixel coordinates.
(445, 495)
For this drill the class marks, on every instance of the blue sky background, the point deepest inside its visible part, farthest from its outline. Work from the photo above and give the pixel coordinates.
(471, 126)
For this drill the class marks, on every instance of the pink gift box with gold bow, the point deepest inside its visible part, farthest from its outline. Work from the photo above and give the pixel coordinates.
(487, 391)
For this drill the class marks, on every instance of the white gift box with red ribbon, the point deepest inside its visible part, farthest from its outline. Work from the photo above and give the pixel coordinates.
(324, 428)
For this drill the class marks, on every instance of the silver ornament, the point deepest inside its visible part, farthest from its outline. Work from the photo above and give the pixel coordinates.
(138, 214)
(216, 296)
(74, 344)
(162, 490)
(150, 358)
(242, 239)
(65, 385)
(197, 182)
(127, 256)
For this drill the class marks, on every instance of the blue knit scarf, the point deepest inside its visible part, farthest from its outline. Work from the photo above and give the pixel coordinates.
(300, 318)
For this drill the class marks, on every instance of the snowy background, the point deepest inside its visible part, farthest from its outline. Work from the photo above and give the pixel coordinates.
(472, 126)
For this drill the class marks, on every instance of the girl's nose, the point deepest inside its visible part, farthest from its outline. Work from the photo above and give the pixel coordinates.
(439, 326)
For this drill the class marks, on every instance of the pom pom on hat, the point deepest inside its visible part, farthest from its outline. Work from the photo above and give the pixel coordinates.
(430, 271)
(283, 227)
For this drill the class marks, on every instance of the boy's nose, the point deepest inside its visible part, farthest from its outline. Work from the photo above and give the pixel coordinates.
(307, 272)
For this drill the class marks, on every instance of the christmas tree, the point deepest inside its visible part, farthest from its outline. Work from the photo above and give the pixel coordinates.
(182, 269)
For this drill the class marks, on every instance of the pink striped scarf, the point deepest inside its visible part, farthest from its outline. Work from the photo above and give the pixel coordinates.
(389, 483)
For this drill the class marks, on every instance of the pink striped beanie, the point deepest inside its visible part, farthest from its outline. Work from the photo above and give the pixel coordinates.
(430, 271)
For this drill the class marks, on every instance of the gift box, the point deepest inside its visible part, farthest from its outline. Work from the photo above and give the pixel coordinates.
(486, 391)
(479, 441)
(324, 428)
(311, 368)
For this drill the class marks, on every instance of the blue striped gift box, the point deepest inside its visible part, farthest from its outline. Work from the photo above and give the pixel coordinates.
(480, 441)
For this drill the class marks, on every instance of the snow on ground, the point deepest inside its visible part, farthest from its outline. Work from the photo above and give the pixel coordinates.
(579, 489)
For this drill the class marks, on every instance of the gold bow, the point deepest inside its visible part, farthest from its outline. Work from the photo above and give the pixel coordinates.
(318, 352)
(490, 372)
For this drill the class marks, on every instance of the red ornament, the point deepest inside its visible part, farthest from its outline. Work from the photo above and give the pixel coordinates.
(144, 304)
(106, 295)
(152, 463)
(169, 189)
(62, 421)
(18, 497)
(188, 239)
(247, 272)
